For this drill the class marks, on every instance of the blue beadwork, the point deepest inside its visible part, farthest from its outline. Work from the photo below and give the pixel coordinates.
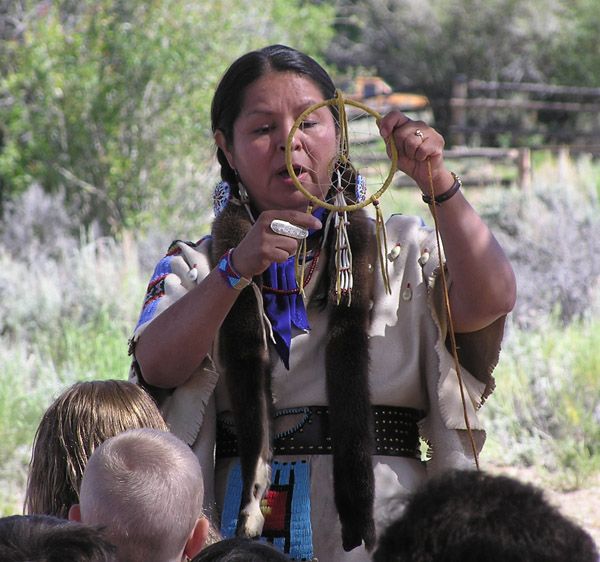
(221, 196)
(291, 411)
(293, 477)
(360, 189)
(231, 276)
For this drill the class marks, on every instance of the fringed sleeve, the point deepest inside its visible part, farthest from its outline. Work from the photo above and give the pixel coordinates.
(445, 427)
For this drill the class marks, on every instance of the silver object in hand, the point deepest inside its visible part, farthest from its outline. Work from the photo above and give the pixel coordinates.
(286, 228)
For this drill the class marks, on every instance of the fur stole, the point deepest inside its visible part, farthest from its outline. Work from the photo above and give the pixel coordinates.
(246, 362)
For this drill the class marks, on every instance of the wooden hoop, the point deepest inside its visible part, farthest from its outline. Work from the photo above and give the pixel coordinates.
(340, 102)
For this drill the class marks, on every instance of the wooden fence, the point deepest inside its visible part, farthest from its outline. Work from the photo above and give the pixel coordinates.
(520, 108)
(541, 116)
(490, 109)
(520, 158)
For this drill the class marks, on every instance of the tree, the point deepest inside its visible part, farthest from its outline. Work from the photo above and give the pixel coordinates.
(575, 56)
(109, 99)
(422, 46)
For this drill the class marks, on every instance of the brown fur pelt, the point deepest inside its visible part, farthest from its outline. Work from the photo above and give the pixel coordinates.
(246, 363)
(350, 414)
(246, 360)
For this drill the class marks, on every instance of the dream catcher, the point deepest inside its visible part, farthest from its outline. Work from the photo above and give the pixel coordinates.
(348, 190)
(351, 189)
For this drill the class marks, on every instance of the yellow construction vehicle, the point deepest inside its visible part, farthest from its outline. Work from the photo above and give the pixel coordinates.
(375, 92)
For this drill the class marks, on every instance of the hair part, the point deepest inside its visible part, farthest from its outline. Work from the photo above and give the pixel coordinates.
(145, 486)
(78, 421)
(229, 95)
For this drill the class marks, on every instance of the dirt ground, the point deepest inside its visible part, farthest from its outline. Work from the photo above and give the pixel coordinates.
(582, 506)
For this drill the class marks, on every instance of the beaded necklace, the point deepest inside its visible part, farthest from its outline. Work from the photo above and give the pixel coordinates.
(311, 269)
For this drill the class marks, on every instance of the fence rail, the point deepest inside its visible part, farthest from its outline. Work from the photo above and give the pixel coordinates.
(518, 157)
(487, 103)
(472, 101)
(545, 89)
(564, 142)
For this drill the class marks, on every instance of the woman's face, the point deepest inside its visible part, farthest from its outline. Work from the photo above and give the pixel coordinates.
(271, 106)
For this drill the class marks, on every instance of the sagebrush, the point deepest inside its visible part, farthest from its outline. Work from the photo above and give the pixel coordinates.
(69, 304)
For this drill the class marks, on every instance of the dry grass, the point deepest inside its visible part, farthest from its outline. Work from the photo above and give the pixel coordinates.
(69, 304)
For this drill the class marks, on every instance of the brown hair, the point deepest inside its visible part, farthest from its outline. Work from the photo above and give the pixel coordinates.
(80, 419)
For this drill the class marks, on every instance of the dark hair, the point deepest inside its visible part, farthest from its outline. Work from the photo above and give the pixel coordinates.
(240, 550)
(44, 538)
(467, 516)
(229, 95)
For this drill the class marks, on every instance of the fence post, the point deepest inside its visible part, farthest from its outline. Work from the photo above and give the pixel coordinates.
(564, 164)
(524, 167)
(458, 110)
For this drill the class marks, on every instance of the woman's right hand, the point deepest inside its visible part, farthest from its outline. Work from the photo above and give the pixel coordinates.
(261, 246)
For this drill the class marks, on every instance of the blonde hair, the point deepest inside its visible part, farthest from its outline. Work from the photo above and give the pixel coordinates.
(144, 487)
(78, 421)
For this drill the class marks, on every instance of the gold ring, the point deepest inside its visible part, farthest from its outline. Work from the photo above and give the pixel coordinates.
(288, 229)
(419, 133)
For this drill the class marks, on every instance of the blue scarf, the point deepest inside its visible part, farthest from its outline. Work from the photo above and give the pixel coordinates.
(286, 311)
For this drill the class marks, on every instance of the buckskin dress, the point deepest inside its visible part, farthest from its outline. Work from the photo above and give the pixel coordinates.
(410, 366)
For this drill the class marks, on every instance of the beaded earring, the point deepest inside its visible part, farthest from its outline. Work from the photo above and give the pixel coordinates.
(360, 188)
(243, 193)
(221, 196)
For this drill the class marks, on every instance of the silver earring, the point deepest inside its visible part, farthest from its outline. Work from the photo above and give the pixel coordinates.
(244, 198)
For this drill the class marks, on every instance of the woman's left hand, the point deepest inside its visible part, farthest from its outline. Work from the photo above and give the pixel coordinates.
(483, 283)
(417, 142)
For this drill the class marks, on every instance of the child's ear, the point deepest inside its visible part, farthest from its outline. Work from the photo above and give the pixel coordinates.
(197, 538)
(75, 513)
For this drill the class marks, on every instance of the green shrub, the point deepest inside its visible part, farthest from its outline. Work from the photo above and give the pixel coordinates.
(33, 373)
(546, 408)
(109, 101)
(69, 306)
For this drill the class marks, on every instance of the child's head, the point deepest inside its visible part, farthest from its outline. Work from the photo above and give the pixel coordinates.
(238, 549)
(468, 516)
(80, 419)
(46, 539)
(144, 488)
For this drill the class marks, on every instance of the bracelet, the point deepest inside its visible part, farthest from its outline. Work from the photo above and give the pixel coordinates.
(231, 276)
(447, 194)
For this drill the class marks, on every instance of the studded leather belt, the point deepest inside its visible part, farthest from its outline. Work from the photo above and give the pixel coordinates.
(396, 432)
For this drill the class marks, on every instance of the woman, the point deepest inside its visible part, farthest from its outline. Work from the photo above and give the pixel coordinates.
(371, 375)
